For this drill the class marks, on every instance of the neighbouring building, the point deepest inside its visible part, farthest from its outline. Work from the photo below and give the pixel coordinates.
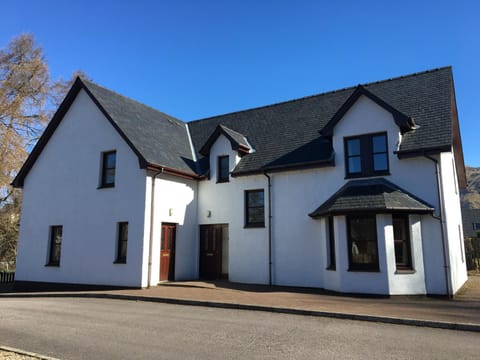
(354, 190)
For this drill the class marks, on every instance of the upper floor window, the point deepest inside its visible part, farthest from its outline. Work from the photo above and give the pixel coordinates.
(254, 208)
(109, 160)
(366, 155)
(223, 172)
(56, 234)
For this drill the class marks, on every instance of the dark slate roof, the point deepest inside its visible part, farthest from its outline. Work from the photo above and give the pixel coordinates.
(287, 134)
(371, 195)
(238, 141)
(160, 138)
(469, 218)
(156, 138)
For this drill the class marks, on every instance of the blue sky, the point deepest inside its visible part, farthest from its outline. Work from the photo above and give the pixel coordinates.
(194, 59)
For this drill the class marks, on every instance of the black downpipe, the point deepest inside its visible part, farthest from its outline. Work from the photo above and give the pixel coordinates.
(269, 228)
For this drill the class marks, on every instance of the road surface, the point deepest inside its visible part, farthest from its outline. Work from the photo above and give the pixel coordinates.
(70, 328)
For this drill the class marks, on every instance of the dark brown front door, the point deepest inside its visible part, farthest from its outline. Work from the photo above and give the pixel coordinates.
(211, 243)
(167, 252)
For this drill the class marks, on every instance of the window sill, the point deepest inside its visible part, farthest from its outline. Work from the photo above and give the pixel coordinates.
(106, 186)
(253, 226)
(52, 265)
(356, 176)
(331, 268)
(372, 270)
(404, 272)
(223, 181)
(120, 262)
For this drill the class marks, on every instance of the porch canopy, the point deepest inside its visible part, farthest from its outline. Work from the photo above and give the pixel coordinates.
(371, 196)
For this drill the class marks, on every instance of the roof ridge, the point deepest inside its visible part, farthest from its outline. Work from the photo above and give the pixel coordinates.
(230, 129)
(322, 94)
(87, 82)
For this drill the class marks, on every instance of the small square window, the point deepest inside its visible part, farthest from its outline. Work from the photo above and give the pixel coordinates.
(254, 208)
(109, 160)
(223, 171)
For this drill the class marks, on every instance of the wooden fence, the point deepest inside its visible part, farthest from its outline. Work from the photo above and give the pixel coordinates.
(7, 277)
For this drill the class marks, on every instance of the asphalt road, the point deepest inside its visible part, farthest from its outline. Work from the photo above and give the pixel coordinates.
(69, 328)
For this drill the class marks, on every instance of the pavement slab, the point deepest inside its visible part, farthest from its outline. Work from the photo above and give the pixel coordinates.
(462, 312)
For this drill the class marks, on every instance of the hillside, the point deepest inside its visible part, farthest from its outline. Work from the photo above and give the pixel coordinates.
(471, 196)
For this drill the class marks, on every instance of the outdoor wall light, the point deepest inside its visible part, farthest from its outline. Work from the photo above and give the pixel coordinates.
(209, 213)
(170, 212)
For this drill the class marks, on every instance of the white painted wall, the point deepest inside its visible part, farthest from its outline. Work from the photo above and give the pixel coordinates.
(248, 247)
(453, 217)
(405, 282)
(62, 189)
(299, 245)
(300, 249)
(175, 202)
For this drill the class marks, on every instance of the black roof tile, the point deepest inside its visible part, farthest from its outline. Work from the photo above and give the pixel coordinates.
(371, 195)
(284, 135)
(160, 138)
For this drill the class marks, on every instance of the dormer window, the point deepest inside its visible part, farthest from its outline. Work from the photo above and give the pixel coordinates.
(223, 171)
(366, 155)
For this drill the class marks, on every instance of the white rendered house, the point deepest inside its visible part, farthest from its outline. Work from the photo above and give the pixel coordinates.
(355, 191)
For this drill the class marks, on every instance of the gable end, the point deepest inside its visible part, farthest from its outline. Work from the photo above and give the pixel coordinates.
(404, 122)
(53, 124)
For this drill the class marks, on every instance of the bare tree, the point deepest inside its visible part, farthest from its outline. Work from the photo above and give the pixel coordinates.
(28, 98)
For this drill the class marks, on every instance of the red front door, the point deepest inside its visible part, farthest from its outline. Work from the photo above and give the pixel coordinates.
(167, 252)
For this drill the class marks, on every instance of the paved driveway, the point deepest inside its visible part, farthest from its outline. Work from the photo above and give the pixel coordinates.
(72, 328)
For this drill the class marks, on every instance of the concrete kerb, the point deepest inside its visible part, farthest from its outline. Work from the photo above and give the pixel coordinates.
(26, 353)
(281, 310)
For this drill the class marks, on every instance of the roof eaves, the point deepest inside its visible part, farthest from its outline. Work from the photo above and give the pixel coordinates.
(402, 154)
(286, 167)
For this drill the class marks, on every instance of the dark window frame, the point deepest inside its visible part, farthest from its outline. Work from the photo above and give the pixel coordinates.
(53, 259)
(332, 263)
(122, 237)
(408, 265)
(104, 183)
(362, 267)
(366, 156)
(248, 207)
(221, 177)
